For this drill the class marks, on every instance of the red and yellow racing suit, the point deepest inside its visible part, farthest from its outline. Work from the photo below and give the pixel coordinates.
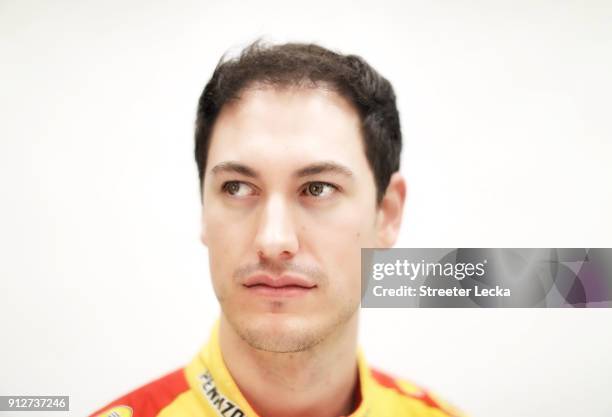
(205, 388)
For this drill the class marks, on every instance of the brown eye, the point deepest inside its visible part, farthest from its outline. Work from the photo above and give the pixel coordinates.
(315, 188)
(232, 187)
(237, 189)
(319, 189)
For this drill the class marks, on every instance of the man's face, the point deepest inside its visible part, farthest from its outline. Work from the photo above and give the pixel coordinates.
(289, 200)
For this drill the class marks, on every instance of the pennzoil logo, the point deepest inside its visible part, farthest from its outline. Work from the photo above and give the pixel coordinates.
(119, 411)
(223, 406)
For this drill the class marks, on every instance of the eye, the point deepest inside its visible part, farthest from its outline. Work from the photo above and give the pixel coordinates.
(238, 189)
(319, 189)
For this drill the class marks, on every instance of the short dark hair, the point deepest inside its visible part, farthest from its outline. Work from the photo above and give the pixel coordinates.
(296, 64)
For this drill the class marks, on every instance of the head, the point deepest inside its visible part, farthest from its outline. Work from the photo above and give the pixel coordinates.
(298, 152)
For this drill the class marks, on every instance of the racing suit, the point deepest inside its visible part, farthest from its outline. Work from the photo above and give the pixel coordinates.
(205, 388)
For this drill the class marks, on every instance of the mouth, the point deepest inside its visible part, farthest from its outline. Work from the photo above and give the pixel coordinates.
(283, 286)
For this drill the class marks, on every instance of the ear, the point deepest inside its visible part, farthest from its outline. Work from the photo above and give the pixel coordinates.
(390, 211)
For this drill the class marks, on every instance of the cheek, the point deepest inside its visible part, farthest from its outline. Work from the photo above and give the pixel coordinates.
(348, 226)
(224, 247)
(226, 229)
(336, 239)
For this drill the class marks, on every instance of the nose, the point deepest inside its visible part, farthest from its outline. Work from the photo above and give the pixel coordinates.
(276, 238)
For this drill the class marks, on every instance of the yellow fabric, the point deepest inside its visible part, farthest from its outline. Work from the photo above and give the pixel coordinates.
(214, 393)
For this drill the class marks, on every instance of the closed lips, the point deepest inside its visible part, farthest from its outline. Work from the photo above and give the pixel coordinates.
(278, 282)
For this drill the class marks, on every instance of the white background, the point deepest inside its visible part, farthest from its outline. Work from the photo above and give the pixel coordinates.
(505, 109)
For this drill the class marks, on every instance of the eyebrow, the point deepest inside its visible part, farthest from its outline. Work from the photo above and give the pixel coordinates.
(323, 167)
(236, 167)
(312, 169)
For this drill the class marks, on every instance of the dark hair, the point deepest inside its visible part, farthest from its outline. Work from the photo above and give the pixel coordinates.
(298, 64)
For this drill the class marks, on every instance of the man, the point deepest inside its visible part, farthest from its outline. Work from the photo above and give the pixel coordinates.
(298, 155)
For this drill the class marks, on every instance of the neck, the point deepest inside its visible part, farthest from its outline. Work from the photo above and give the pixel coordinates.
(319, 381)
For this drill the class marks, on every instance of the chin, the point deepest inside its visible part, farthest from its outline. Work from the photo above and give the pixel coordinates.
(289, 332)
(280, 333)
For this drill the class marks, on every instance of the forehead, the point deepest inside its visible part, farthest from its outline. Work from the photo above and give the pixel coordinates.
(272, 128)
